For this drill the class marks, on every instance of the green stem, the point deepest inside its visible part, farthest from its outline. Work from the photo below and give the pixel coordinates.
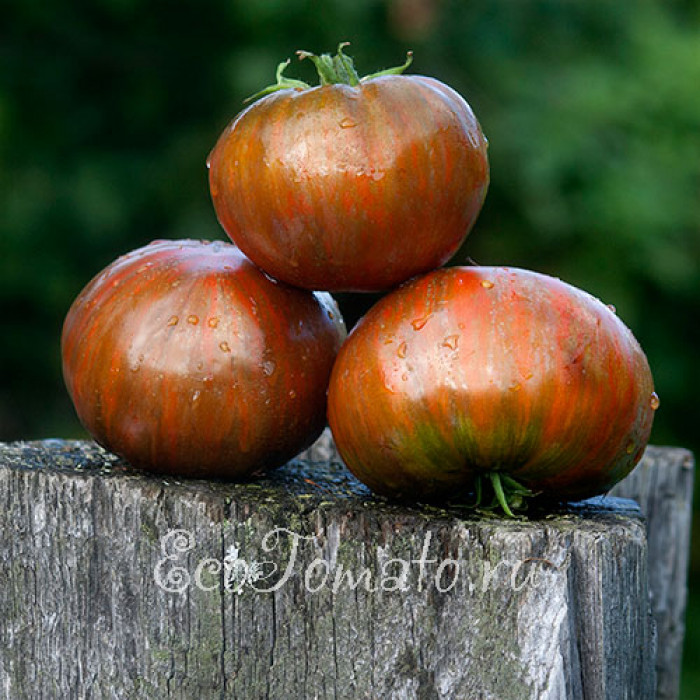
(508, 494)
(346, 65)
(500, 494)
(514, 486)
(333, 70)
(283, 83)
(397, 70)
(324, 66)
(478, 492)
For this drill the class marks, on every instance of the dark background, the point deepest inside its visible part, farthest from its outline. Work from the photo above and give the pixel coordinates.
(108, 109)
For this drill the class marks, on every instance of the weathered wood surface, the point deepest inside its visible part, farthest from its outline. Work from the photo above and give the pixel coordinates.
(662, 484)
(555, 607)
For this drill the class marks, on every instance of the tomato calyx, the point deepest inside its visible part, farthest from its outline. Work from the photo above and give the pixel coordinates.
(332, 70)
(340, 68)
(507, 493)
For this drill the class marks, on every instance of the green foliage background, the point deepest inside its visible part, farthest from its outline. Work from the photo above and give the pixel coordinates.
(108, 109)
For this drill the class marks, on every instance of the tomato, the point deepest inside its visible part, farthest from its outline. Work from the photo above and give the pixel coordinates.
(477, 374)
(353, 185)
(184, 358)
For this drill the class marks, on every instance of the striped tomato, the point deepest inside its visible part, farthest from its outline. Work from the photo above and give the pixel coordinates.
(353, 185)
(495, 374)
(184, 358)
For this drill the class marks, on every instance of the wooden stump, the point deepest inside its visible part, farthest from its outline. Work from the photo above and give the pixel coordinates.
(662, 484)
(116, 584)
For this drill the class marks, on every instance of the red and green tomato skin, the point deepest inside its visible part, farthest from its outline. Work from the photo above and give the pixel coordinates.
(351, 188)
(466, 371)
(184, 358)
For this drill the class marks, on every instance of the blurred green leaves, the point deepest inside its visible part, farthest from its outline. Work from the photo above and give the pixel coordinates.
(596, 176)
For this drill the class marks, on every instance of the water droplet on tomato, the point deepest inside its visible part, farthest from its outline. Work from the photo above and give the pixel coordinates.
(143, 268)
(292, 394)
(404, 377)
(347, 123)
(225, 347)
(420, 322)
(515, 387)
(487, 284)
(173, 320)
(612, 308)
(402, 349)
(451, 342)
(213, 322)
(654, 401)
(268, 368)
(174, 284)
(192, 319)
(196, 395)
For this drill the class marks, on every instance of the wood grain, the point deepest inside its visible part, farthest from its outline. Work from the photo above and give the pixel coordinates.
(554, 607)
